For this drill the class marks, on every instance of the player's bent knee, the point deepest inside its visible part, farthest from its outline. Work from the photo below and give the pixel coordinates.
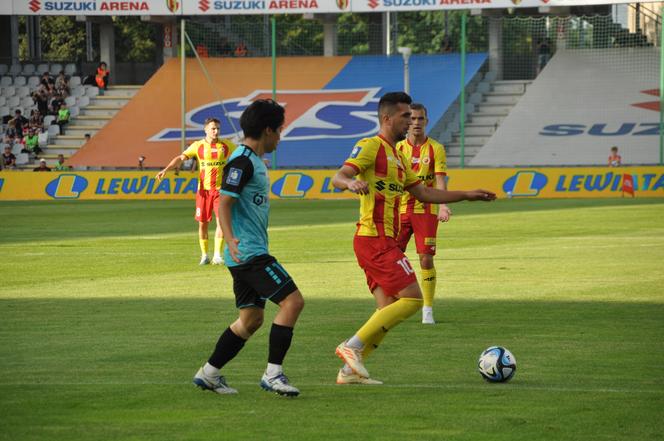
(293, 302)
(426, 261)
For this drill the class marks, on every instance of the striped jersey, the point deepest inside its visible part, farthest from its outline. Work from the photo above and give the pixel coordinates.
(426, 160)
(384, 169)
(211, 160)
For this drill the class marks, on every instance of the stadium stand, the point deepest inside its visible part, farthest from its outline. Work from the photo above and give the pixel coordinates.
(562, 122)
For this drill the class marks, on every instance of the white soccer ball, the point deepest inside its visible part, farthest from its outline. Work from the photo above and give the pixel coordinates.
(497, 364)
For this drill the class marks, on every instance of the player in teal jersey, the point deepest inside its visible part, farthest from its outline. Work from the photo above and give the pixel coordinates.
(257, 276)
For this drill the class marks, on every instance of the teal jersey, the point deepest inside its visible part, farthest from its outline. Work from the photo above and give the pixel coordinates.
(246, 179)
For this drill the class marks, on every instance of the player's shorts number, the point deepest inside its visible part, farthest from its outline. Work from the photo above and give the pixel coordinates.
(405, 265)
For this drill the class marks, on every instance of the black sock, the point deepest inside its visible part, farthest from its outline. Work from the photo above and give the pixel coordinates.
(227, 348)
(280, 341)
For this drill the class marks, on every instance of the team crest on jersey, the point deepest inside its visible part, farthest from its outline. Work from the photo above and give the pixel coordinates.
(426, 160)
(310, 114)
(234, 176)
(356, 151)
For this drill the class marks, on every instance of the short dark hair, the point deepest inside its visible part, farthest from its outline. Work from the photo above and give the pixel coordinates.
(211, 120)
(260, 115)
(419, 106)
(390, 100)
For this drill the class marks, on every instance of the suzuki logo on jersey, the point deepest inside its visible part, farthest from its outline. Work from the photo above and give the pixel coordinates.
(310, 114)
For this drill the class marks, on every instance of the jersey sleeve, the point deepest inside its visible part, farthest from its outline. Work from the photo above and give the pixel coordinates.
(236, 175)
(363, 156)
(192, 150)
(411, 178)
(440, 159)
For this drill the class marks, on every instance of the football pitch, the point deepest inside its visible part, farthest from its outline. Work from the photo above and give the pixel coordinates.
(105, 316)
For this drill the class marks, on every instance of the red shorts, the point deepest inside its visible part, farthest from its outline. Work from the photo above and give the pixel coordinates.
(424, 226)
(207, 202)
(384, 264)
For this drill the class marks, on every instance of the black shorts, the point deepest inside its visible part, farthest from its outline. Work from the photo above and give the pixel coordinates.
(260, 279)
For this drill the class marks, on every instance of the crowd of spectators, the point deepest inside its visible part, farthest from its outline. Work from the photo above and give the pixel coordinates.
(24, 130)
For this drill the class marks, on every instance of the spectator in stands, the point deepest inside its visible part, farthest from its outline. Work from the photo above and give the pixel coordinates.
(62, 85)
(21, 123)
(10, 133)
(41, 98)
(60, 165)
(8, 158)
(42, 166)
(141, 161)
(241, 50)
(102, 76)
(87, 137)
(63, 117)
(31, 143)
(45, 79)
(36, 120)
(615, 160)
(544, 53)
(56, 102)
(225, 48)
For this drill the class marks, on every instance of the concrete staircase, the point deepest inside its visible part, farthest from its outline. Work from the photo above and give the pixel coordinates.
(90, 120)
(482, 123)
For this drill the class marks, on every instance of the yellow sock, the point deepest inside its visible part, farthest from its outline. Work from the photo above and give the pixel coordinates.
(204, 246)
(387, 318)
(428, 285)
(218, 244)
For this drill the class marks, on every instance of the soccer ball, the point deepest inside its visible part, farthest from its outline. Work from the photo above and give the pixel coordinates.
(497, 364)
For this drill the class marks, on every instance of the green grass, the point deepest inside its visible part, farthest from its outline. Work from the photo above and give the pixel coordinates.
(105, 317)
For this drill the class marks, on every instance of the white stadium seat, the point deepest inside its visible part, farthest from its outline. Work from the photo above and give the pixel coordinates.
(27, 102)
(4, 69)
(15, 69)
(9, 91)
(70, 100)
(20, 81)
(3, 100)
(22, 158)
(13, 101)
(48, 119)
(22, 91)
(70, 69)
(42, 68)
(74, 111)
(83, 101)
(28, 69)
(33, 82)
(74, 82)
(56, 68)
(43, 139)
(91, 91)
(6, 81)
(78, 91)
(53, 130)
(4, 111)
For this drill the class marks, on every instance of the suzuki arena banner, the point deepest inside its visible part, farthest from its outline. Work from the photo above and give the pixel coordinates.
(225, 7)
(596, 182)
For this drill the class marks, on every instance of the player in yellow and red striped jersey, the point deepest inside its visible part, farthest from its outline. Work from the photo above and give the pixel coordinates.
(382, 178)
(211, 154)
(427, 158)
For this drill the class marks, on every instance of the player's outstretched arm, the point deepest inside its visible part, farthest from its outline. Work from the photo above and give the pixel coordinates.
(345, 180)
(225, 204)
(434, 195)
(175, 162)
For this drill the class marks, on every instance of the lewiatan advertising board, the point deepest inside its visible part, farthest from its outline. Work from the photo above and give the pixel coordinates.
(592, 182)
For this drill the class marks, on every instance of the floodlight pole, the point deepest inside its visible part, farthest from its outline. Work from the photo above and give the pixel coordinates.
(405, 53)
(274, 76)
(183, 91)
